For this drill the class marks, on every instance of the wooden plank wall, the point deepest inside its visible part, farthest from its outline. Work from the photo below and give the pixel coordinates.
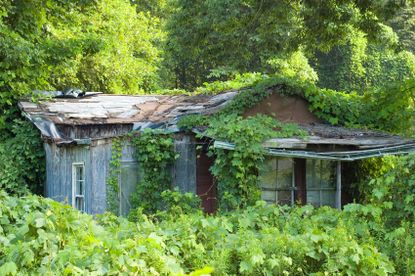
(59, 162)
(99, 168)
(97, 158)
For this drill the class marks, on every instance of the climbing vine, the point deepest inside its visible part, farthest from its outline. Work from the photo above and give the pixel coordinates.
(113, 200)
(237, 170)
(389, 109)
(155, 154)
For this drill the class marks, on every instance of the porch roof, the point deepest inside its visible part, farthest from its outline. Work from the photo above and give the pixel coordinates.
(333, 143)
(331, 155)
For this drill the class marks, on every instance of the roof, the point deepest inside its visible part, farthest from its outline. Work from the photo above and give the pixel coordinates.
(97, 109)
(324, 141)
(123, 109)
(334, 143)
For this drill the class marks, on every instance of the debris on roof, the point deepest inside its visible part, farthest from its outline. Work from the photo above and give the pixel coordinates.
(70, 93)
(143, 111)
(334, 143)
(124, 109)
(157, 111)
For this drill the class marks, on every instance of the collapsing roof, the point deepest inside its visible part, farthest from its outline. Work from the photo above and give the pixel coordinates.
(124, 109)
(155, 111)
(140, 112)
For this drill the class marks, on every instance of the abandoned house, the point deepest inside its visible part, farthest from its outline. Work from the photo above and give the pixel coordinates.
(78, 134)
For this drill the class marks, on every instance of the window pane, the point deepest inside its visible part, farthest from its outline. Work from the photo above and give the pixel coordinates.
(312, 173)
(276, 179)
(268, 196)
(284, 197)
(328, 174)
(79, 189)
(128, 184)
(78, 182)
(328, 198)
(79, 203)
(79, 173)
(313, 198)
(284, 173)
(268, 174)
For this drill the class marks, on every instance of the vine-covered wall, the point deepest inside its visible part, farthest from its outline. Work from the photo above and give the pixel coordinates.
(237, 171)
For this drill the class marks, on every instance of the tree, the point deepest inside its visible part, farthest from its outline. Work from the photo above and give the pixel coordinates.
(225, 37)
(102, 45)
(359, 65)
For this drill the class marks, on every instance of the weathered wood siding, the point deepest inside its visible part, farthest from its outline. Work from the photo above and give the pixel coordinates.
(99, 169)
(97, 159)
(59, 162)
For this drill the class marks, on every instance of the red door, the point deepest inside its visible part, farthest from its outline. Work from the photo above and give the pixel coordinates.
(205, 184)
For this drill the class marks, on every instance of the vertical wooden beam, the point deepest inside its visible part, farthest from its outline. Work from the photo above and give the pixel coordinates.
(300, 180)
(339, 186)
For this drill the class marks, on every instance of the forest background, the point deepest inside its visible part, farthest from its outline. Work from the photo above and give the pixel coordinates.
(354, 47)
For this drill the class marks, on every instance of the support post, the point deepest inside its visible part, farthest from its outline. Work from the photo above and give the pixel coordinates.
(339, 186)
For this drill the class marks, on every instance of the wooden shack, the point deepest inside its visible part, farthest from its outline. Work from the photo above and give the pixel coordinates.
(78, 135)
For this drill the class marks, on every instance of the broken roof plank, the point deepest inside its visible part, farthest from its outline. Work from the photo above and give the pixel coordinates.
(360, 142)
(127, 109)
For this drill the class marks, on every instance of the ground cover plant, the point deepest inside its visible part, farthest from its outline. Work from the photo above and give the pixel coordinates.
(40, 236)
(352, 60)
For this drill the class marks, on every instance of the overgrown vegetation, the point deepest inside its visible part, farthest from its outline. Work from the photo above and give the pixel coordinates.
(262, 239)
(22, 159)
(41, 236)
(363, 50)
(155, 154)
(113, 179)
(237, 171)
(154, 151)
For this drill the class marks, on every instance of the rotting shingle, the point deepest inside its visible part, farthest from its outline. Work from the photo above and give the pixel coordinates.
(124, 109)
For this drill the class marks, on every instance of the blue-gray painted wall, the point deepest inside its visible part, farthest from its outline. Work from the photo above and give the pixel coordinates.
(97, 157)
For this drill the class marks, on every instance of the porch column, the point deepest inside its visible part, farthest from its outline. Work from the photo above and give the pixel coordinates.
(339, 186)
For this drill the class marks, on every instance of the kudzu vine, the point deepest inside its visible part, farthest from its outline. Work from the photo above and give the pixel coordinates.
(155, 153)
(237, 171)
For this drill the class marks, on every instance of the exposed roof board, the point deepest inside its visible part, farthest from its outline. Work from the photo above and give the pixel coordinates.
(163, 111)
(330, 155)
(323, 134)
(123, 109)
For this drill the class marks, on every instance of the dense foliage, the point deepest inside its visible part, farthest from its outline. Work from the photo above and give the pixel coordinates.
(42, 236)
(237, 171)
(22, 163)
(218, 38)
(95, 45)
(363, 48)
(155, 154)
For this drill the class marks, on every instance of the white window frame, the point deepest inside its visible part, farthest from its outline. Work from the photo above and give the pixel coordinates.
(74, 183)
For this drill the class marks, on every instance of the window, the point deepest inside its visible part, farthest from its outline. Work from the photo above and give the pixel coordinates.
(321, 182)
(127, 185)
(78, 186)
(276, 181)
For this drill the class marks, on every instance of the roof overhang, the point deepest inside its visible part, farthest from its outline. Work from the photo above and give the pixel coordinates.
(331, 155)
